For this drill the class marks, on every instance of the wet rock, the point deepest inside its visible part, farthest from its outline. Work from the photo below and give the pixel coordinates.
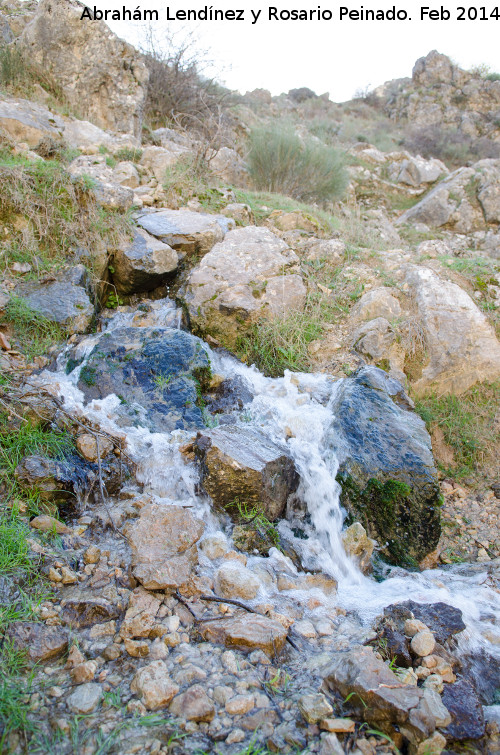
(61, 302)
(461, 347)
(53, 478)
(436, 707)
(87, 446)
(85, 698)
(163, 543)
(85, 612)
(246, 632)
(156, 373)
(250, 274)
(358, 545)
(464, 706)
(239, 705)
(233, 580)
(387, 472)
(154, 685)
(214, 546)
(143, 265)
(242, 463)
(193, 705)
(397, 647)
(102, 77)
(184, 231)
(385, 698)
(231, 395)
(141, 614)
(45, 523)
(432, 746)
(42, 643)
(443, 620)
(314, 707)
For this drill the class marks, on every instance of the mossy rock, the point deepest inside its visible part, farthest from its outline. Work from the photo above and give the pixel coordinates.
(386, 471)
(158, 374)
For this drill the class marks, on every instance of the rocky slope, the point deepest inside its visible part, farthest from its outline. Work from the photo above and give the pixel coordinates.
(209, 533)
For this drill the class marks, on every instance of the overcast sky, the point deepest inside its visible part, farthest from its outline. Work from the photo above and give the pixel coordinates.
(327, 56)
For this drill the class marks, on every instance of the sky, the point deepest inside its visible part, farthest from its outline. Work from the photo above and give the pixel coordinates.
(339, 57)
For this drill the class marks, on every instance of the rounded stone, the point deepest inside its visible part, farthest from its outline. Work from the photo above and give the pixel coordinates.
(423, 643)
(85, 698)
(236, 581)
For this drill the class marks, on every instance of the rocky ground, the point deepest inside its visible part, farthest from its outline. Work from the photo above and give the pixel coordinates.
(204, 591)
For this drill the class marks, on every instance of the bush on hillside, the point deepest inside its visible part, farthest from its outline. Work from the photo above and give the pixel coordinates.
(449, 145)
(280, 162)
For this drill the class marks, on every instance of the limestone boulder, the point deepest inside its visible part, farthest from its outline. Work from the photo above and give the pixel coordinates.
(230, 167)
(358, 545)
(461, 347)
(140, 615)
(102, 77)
(233, 580)
(467, 200)
(163, 543)
(156, 372)
(108, 192)
(155, 160)
(144, 264)
(61, 302)
(28, 122)
(252, 273)
(126, 174)
(387, 473)
(240, 463)
(246, 632)
(185, 231)
(415, 171)
(379, 302)
(83, 134)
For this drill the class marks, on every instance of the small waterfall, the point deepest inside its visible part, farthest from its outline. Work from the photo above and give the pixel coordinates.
(294, 410)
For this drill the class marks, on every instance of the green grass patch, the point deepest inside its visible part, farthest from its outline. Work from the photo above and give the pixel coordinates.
(469, 428)
(33, 330)
(262, 203)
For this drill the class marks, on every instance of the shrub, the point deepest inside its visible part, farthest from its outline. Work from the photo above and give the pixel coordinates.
(449, 145)
(281, 163)
(19, 76)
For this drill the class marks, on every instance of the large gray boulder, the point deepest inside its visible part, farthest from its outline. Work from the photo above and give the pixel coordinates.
(467, 200)
(387, 473)
(156, 372)
(64, 302)
(109, 193)
(193, 233)
(252, 273)
(102, 77)
(28, 122)
(461, 347)
(143, 265)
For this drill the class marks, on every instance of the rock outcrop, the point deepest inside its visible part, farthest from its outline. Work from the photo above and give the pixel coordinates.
(102, 77)
(188, 232)
(467, 200)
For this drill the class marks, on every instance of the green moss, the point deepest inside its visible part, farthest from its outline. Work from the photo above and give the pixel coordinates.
(88, 375)
(380, 507)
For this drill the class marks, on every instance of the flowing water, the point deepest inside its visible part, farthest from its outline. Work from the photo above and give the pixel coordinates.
(294, 410)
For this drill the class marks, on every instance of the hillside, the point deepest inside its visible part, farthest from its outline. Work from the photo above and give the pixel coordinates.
(249, 421)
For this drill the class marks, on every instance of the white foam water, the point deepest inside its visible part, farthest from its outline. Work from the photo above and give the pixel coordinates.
(294, 411)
